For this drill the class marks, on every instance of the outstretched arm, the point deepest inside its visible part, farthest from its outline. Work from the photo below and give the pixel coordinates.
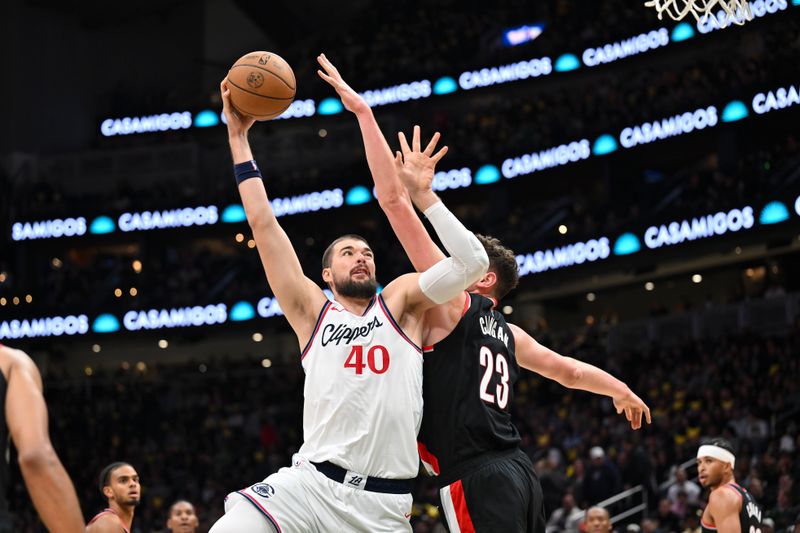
(299, 297)
(392, 195)
(576, 374)
(26, 414)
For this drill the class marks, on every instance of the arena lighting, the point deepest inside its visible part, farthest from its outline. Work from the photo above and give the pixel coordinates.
(735, 110)
(171, 218)
(487, 174)
(48, 229)
(105, 323)
(102, 225)
(242, 311)
(564, 256)
(307, 203)
(637, 44)
(206, 119)
(54, 326)
(330, 106)
(398, 93)
(682, 32)
(548, 158)
(627, 244)
(773, 213)
(567, 63)
(152, 123)
(522, 34)
(665, 128)
(605, 144)
(456, 178)
(522, 70)
(780, 98)
(268, 307)
(358, 195)
(300, 109)
(175, 318)
(233, 214)
(677, 232)
(760, 8)
(445, 85)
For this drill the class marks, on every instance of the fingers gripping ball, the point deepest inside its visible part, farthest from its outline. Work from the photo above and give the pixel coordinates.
(262, 85)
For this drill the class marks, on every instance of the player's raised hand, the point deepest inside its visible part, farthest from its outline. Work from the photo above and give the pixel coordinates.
(238, 124)
(634, 409)
(415, 166)
(351, 100)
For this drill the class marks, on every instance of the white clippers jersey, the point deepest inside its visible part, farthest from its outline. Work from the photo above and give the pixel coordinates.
(363, 393)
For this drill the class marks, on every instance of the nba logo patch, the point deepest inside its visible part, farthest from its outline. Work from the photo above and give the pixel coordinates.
(263, 490)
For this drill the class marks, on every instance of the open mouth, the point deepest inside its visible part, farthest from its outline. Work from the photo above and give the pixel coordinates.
(356, 271)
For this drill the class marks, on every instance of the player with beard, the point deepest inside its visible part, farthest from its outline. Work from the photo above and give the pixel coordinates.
(363, 362)
(182, 518)
(472, 356)
(731, 508)
(119, 484)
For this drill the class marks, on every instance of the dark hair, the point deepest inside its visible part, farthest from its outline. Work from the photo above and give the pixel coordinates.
(176, 502)
(725, 444)
(326, 257)
(503, 263)
(105, 474)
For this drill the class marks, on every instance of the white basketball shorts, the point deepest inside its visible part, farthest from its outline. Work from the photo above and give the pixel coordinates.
(300, 499)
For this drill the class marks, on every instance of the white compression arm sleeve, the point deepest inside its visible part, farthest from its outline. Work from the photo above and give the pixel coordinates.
(467, 262)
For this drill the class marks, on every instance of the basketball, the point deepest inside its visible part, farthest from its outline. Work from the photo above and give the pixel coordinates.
(262, 85)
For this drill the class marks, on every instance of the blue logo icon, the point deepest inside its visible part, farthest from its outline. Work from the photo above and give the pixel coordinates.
(445, 85)
(567, 62)
(735, 110)
(206, 119)
(330, 106)
(105, 323)
(263, 490)
(487, 174)
(605, 144)
(773, 213)
(234, 213)
(357, 195)
(682, 32)
(102, 225)
(627, 244)
(242, 311)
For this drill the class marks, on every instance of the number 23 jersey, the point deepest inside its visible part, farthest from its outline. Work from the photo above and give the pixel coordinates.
(468, 381)
(363, 393)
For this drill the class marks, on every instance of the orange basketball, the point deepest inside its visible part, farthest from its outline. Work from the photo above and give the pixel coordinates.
(262, 85)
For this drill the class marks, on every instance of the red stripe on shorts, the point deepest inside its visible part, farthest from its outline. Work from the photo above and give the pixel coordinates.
(460, 505)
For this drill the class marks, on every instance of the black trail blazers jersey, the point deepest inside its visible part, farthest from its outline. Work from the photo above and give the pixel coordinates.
(749, 515)
(468, 382)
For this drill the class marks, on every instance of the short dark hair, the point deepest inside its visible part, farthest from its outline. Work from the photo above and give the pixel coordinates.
(503, 263)
(105, 474)
(326, 257)
(725, 444)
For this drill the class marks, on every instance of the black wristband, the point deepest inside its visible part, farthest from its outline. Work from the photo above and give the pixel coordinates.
(245, 171)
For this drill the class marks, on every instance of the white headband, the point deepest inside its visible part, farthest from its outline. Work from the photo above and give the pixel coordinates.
(709, 450)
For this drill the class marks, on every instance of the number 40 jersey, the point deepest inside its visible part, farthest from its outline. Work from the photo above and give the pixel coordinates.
(468, 381)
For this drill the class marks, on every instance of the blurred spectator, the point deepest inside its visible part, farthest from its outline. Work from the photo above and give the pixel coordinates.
(597, 520)
(566, 518)
(602, 477)
(669, 522)
(682, 484)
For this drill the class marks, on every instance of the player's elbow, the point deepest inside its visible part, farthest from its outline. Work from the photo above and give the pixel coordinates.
(571, 374)
(37, 458)
(478, 264)
(392, 200)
